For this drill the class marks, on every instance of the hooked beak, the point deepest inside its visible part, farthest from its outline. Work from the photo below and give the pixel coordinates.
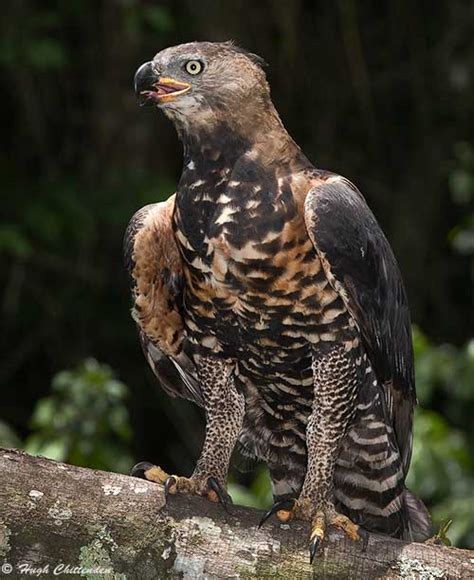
(151, 87)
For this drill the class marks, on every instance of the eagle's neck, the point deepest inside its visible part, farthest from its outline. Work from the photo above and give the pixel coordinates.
(229, 146)
(213, 148)
(234, 162)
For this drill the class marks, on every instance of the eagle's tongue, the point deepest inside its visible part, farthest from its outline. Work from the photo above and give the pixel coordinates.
(164, 89)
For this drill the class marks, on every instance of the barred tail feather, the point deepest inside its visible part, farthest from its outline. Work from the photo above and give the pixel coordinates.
(369, 476)
(420, 527)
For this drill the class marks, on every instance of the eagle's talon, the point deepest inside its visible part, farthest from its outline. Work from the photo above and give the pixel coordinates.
(138, 470)
(352, 530)
(217, 493)
(207, 487)
(314, 546)
(285, 506)
(150, 472)
(170, 486)
(364, 538)
(303, 509)
(318, 531)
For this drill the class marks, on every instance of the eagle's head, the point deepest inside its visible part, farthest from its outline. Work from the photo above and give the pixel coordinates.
(197, 82)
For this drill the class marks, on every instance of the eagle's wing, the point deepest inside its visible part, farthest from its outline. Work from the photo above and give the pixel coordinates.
(359, 263)
(154, 265)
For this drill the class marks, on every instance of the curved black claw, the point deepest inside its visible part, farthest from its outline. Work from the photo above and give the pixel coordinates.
(139, 469)
(364, 537)
(168, 485)
(313, 548)
(284, 504)
(224, 497)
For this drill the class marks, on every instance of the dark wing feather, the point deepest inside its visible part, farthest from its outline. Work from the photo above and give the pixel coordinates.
(176, 374)
(154, 266)
(360, 265)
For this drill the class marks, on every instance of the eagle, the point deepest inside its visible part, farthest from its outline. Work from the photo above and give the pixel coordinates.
(265, 291)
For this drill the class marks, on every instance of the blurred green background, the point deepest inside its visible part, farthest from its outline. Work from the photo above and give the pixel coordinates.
(382, 93)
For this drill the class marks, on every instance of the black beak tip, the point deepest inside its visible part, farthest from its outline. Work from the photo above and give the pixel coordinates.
(144, 78)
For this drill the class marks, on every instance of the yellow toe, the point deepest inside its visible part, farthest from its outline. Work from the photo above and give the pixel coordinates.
(156, 474)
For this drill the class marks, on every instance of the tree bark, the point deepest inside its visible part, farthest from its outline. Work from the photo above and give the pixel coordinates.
(60, 519)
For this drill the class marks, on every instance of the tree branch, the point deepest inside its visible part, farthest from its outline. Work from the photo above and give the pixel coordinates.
(115, 526)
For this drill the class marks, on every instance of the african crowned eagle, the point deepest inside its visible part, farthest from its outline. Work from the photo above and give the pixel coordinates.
(265, 291)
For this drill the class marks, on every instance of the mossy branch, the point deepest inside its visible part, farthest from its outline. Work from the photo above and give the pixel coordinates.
(59, 518)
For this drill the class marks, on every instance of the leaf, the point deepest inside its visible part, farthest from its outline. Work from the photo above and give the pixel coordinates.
(14, 241)
(84, 420)
(52, 449)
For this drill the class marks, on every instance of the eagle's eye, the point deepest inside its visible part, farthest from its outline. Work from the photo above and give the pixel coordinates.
(193, 67)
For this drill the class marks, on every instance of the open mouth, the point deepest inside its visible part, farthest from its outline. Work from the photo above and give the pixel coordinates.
(165, 90)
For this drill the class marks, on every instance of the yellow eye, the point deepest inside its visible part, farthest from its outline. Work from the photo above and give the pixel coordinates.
(193, 67)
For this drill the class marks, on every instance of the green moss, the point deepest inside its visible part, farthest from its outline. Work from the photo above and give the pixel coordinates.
(265, 568)
(200, 530)
(94, 557)
(294, 568)
(4, 540)
(332, 570)
(410, 567)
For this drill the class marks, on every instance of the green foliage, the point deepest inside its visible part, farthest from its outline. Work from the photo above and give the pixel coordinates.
(14, 242)
(258, 494)
(442, 473)
(443, 369)
(84, 420)
(459, 510)
(442, 468)
(137, 19)
(32, 44)
(461, 185)
(441, 465)
(158, 18)
(8, 437)
(442, 533)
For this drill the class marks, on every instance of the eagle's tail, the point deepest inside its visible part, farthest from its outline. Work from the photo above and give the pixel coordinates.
(419, 520)
(369, 480)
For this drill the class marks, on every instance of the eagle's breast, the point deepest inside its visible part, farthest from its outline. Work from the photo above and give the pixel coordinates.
(254, 282)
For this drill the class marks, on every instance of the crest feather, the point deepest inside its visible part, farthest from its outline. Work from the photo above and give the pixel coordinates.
(258, 60)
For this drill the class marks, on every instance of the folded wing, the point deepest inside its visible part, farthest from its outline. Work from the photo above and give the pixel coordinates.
(360, 265)
(156, 280)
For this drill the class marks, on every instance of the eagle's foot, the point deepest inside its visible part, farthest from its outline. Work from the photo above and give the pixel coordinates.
(146, 470)
(284, 510)
(303, 509)
(208, 487)
(330, 517)
(290, 509)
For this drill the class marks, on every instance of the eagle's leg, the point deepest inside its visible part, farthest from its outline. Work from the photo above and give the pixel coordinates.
(337, 376)
(225, 408)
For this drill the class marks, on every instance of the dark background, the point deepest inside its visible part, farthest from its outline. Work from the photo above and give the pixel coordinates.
(380, 92)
